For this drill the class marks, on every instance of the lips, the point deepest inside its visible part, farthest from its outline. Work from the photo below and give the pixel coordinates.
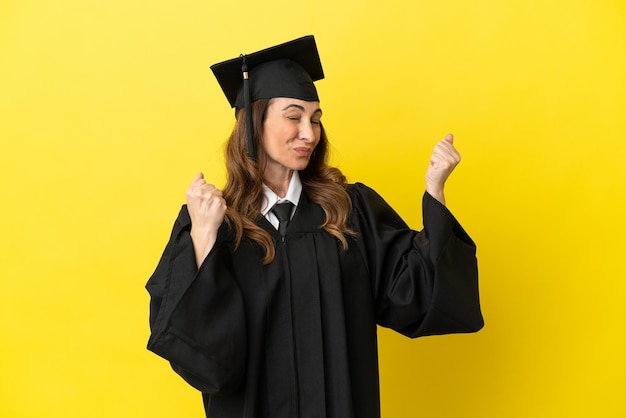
(302, 151)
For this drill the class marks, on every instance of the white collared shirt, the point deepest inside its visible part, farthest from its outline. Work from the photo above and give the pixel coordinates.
(293, 195)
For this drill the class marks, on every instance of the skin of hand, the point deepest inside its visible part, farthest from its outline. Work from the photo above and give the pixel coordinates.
(442, 162)
(206, 208)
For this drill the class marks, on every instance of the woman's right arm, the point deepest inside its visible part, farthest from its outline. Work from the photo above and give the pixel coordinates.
(197, 316)
(206, 208)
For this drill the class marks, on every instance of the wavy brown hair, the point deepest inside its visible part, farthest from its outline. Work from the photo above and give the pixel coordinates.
(243, 191)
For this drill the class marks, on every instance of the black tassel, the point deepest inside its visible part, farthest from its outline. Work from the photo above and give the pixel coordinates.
(248, 107)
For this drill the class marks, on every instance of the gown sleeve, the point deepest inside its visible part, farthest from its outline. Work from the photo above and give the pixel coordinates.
(424, 283)
(197, 318)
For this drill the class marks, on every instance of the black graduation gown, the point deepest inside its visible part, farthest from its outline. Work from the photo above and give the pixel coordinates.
(297, 337)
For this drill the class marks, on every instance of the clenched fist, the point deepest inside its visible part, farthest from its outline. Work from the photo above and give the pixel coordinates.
(206, 208)
(442, 162)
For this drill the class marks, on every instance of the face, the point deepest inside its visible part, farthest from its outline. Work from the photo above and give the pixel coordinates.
(291, 131)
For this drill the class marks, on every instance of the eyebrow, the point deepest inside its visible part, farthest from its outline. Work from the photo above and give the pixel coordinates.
(301, 108)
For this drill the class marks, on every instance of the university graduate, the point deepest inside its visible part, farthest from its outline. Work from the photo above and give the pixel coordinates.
(269, 292)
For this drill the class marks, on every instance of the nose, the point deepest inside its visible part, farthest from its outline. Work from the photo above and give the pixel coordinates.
(307, 132)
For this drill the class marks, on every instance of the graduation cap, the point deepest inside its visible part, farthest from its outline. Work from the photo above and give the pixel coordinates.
(285, 70)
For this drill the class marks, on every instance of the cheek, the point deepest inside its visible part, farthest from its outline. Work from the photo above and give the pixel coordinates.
(316, 144)
(280, 133)
(275, 142)
(318, 137)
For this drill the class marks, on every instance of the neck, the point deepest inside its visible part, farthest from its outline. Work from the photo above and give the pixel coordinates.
(278, 182)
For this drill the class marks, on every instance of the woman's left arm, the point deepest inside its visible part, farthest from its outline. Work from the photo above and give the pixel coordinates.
(424, 282)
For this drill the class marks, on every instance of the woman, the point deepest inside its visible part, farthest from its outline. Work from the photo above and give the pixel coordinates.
(269, 292)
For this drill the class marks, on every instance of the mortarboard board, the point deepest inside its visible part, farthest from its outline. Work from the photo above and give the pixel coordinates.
(285, 70)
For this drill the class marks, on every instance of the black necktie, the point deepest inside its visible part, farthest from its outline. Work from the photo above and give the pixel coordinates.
(283, 213)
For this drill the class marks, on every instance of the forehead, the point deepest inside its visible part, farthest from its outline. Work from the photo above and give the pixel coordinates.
(285, 103)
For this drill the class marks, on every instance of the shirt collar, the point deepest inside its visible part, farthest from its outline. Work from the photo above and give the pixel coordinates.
(293, 194)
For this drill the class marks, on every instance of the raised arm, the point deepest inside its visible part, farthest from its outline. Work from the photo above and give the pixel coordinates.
(206, 208)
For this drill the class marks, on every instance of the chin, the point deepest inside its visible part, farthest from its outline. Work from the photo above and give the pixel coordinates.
(298, 164)
(301, 166)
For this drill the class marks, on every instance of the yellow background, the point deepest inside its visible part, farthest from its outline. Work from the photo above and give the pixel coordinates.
(108, 109)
